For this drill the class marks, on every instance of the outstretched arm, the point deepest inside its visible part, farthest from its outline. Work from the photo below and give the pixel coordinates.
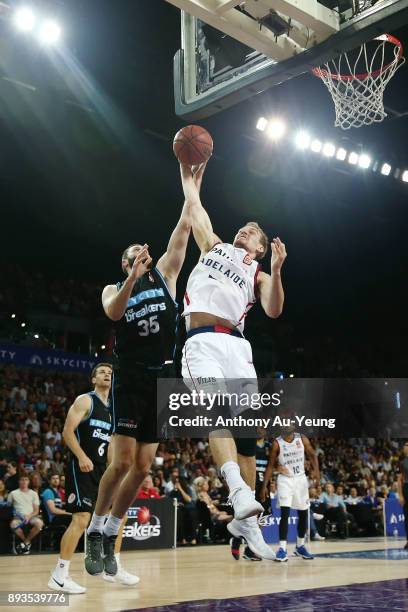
(171, 262)
(202, 227)
(270, 286)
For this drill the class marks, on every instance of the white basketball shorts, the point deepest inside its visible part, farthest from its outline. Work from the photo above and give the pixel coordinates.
(293, 492)
(210, 357)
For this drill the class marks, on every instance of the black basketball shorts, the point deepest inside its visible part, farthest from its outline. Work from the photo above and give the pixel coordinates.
(81, 488)
(134, 404)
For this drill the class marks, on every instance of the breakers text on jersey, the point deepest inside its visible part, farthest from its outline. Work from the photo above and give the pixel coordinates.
(131, 315)
(102, 435)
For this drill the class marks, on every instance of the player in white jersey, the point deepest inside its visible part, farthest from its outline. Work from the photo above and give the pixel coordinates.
(287, 456)
(221, 289)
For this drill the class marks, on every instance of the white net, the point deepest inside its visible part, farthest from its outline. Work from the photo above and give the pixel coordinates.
(357, 84)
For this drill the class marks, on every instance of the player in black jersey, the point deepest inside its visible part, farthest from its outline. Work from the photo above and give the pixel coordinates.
(145, 312)
(87, 433)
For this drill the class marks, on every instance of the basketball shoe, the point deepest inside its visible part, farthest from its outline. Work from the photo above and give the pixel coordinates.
(244, 503)
(250, 531)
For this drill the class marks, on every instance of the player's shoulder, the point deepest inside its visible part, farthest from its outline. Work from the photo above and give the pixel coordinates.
(84, 400)
(112, 288)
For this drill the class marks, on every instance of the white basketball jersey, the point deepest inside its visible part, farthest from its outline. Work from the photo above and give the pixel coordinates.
(292, 455)
(223, 284)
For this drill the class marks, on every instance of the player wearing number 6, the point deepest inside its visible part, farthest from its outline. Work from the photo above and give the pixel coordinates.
(145, 313)
(87, 432)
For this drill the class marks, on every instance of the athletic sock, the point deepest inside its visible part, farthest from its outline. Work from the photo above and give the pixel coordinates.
(112, 526)
(96, 523)
(282, 544)
(117, 557)
(231, 473)
(300, 542)
(61, 569)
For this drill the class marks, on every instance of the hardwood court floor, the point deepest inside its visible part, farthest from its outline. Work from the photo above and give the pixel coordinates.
(186, 574)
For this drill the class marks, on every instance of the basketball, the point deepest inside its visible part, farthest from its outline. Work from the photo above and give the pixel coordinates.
(193, 145)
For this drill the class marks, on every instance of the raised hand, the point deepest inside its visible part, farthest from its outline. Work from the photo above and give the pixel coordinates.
(142, 263)
(278, 254)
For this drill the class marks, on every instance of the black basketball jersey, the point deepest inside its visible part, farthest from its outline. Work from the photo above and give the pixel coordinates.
(94, 432)
(262, 453)
(146, 333)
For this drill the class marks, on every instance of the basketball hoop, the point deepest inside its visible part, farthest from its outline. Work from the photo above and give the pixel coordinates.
(357, 85)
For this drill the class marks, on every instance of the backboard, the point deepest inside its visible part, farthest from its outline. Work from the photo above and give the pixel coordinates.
(232, 50)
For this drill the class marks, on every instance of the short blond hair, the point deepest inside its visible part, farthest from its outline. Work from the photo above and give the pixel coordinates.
(263, 238)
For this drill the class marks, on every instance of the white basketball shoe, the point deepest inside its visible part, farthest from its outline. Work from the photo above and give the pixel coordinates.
(251, 532)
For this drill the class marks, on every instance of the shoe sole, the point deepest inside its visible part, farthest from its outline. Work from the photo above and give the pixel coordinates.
(62, 590)
(256, 552)
(281, 560)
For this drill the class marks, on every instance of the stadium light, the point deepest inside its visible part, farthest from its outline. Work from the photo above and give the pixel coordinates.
(103, 347)
(316, 146)
(23, 325)
(386, 169)
(341, 154)
(50, 32)
(291, 376)
(96, 354)
(405, 176)
(24, 19)
(13, 316)
(261, 124)
(302, 140)
(364, 161)
(353, 158)
(276, 129)
(36, 336)
(329, 149)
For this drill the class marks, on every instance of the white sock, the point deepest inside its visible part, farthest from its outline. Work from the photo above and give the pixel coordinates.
(300, 541)
(61, 569)
(112, 526)
(230, 471)
(282, 544)
(96, 523)
(117, 557)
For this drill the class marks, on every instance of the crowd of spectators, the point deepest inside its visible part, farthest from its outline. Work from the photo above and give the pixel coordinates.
(38, 291)
(356, 475)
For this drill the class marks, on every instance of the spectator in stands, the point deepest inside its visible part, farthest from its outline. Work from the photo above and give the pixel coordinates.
(340, 491)
(57, 465)
(202, 486)
(3, 492)
(26, 507)
(11, 476)
(335, 509)
(53, 505)
(170, 484)
(353, 499)
(317, 518)
(393, 492)
(147, 490)
(32, 420)
(61, 488)
(43, 465)
(36, 482)
(158, 483)
(6, 432)
(186, 515)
